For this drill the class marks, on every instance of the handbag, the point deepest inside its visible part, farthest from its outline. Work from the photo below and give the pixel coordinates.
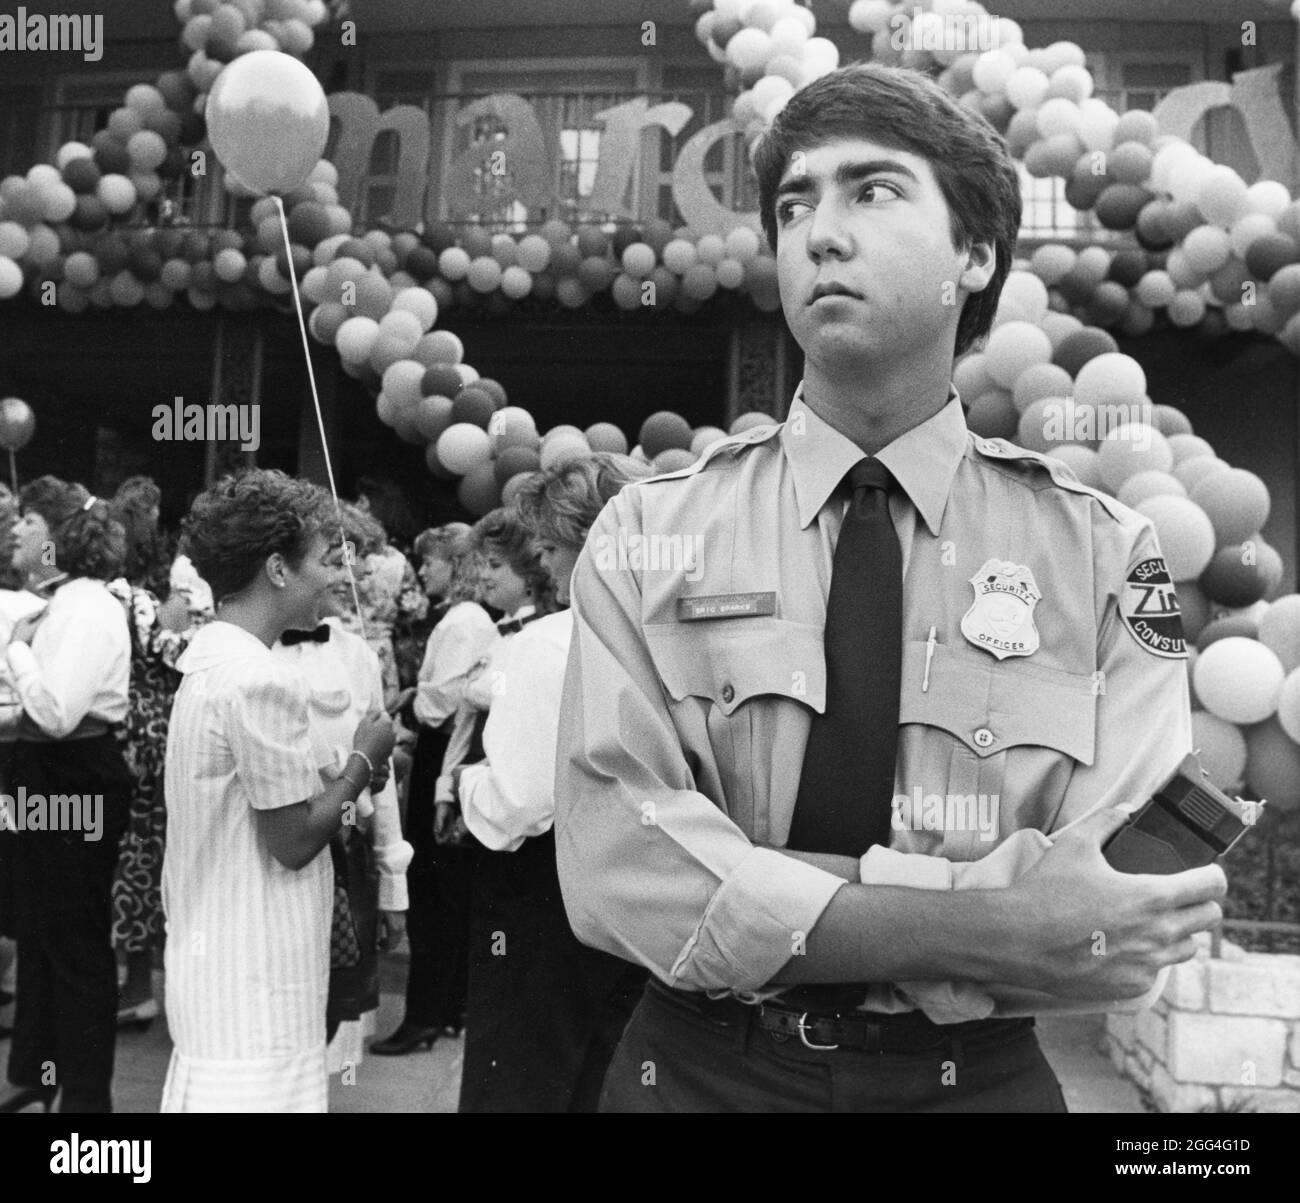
(345, 947)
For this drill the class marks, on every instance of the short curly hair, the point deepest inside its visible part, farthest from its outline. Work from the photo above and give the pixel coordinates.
(88, 540)
(561, 503)
(235, 525)
(501, 533)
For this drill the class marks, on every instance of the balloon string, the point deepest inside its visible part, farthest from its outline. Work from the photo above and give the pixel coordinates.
(320, 417)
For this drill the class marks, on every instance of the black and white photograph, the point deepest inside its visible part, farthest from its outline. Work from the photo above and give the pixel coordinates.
(649, 556)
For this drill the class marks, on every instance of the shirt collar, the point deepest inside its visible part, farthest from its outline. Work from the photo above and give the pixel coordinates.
(47, 587)
(923, 460)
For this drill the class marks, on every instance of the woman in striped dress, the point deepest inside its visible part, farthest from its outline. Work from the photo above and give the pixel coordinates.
(247, 885)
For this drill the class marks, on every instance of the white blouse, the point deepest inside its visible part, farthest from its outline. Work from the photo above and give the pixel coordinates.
(511, 796)
(79, 662)
(455, 646)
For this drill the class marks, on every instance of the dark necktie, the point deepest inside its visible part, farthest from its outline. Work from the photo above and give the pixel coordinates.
(846, 785)
(320, 635)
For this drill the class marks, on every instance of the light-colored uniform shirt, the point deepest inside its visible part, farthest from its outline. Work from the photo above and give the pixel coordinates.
(511, 796)
(681, 740)
(247, 954)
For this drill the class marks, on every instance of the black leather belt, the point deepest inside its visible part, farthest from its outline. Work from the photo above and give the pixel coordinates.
(824, 1031)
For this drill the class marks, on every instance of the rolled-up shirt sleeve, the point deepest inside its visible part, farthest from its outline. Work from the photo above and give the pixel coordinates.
(651, 869)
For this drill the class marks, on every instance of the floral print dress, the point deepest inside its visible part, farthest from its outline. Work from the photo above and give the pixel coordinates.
(137, 883)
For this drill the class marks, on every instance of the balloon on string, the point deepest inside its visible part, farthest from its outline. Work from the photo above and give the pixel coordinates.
(268, 121)
(17, 424)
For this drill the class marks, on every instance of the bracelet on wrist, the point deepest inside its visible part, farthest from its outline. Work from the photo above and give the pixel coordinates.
(370, 768)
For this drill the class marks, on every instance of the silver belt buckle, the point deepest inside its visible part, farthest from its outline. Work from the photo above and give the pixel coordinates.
(803, 1036)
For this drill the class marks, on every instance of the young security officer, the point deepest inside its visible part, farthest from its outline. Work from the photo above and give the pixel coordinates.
(882, 607)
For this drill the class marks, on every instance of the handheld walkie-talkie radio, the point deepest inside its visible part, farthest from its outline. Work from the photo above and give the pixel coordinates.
(1188, 822)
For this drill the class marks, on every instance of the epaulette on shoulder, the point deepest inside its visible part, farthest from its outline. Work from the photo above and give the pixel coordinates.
(731, 445)
(1060, 473)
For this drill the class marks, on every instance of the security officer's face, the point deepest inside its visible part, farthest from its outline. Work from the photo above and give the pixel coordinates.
(865, 260)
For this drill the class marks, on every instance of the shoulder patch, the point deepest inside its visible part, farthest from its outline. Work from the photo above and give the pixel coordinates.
(1060, 472)
(1149, 607)
(728, 446)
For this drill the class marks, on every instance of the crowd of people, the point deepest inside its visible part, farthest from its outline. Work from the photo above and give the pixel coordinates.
(297, 732)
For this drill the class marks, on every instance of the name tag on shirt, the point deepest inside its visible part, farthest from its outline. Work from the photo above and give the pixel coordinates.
(725, 605)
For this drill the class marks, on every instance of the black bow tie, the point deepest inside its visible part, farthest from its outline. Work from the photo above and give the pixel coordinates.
(320, 635)
(512, 626)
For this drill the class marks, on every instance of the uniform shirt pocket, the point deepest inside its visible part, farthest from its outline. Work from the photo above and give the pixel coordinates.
(743, 692)
(996, 741)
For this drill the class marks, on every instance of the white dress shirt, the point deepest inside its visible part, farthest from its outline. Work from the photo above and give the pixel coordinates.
(481, 685)
(511, 796)
(456, 645)
(79, 662)
(15, 605)
(343, 686)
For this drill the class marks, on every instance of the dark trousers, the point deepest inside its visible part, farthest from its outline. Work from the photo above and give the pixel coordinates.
(438, 883)
(672, 1059)
(65, 1019)
(545, 1011)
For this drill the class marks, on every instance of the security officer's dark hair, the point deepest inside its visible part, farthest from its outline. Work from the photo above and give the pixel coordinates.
(905, 109)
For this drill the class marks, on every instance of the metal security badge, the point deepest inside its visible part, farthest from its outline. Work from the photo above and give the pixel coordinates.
(725, 605)
(1001, 619)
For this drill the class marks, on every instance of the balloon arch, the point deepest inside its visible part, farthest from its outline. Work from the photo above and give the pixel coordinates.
(1212, 254)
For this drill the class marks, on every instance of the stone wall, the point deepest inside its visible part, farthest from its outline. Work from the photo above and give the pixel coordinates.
(1224, 1035)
